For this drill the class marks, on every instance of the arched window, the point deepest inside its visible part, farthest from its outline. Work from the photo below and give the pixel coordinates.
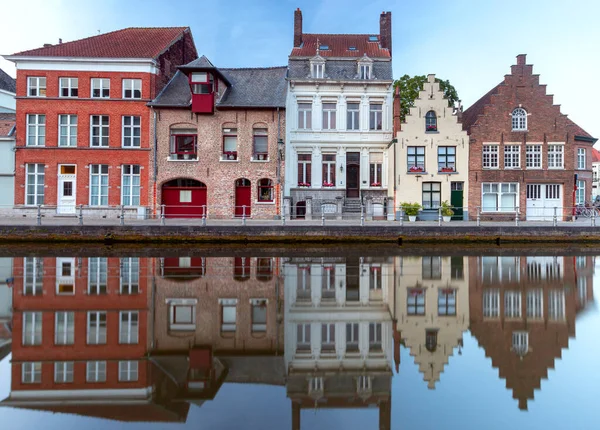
(265, 190)
(431, 340)
(519, 119)
(430, 121)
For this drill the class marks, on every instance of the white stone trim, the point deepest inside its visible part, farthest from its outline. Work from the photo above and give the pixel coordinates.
(133, 65)
(91, 396)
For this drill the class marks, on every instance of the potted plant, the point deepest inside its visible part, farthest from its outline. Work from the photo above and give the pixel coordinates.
(416, 169)
(447, 212)
(411, 210)
(447, 169)
(328, 184)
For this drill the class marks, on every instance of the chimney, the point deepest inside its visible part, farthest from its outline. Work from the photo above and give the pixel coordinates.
(297, 28)
(385, 30)
(397, 113)
(59, 41)
(521, 58)
(47, 45)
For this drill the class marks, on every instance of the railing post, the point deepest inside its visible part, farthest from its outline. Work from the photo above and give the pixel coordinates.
(440, 216)
(401, 217)
(39, 214)
(243, 214)
(203, 215)
(283, 218)
(362, 216)
(478, 216)
(555, 218)
(162, 214)
(593, 216)
(517, 216)
(122, 222)
(80, 214)
(322, 217)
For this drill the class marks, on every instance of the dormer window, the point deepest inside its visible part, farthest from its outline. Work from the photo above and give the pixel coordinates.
(201, 82)
(365, 66)
(373, 38)
(317, 70)
(430, 121)
(519, 119)
(323, 47)
(352, 48)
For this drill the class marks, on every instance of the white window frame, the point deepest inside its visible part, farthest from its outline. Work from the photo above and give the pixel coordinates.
(129, 138)
(352, 337)
(128, 194)
(512, 156)
(580, 193)
(581, 158)
(375, 116)
(128, 371)
(512, 304)
(520, 342)
(100, 330)
(182, 326)
(32, 336)
(364, 71)
(36, 84)
(99, 181)
(533, 156)
(64, 372)
(490, 156)
(304, 115)
(491, 303)
(228, 325)
(36, 198)
(69, 84)
(353, 116)
(329, 116)
(31, 372)
(328, 340)
(102, 85)
(67, 132)
(375, 337)
(95, 371)
(556, 305)
(132, 85)
(317, 69)
(67, 335)
(129, 276)
(556, 156)
(103, 130)
(33, 276)
(329, 177)
(129, 327)
(499, 194)
(36, 130)
(303, 335)
(535, 303)
(97, 275)
(519, 119)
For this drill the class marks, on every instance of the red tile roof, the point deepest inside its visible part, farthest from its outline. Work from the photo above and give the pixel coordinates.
(595, 155)
(126, 43)
(7, 122)
(339, 45)
(577, 131)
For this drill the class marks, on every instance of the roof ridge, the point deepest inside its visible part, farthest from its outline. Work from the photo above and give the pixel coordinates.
(253, 68)
(340, 34)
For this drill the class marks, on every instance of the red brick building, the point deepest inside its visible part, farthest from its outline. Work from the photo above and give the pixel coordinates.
(524, 153)
(82, 117)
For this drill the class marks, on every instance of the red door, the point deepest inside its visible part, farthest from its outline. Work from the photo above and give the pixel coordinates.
(184, 198)
(243, 198)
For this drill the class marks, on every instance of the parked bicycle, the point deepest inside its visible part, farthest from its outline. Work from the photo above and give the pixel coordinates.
(587, 210)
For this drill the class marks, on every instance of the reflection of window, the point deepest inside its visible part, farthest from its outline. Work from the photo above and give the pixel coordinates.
(264, 269)
(352, 337)
(241, 270)
(446, 301)
(63, 372)
(416, 301)
(129, 327)
(375, 277)
(582, 290)
(520, 342)
(32, 328)
(182, 314)
(535, 303)
(431, 267)
(496, 269)
(259, 315)
(130, 275)
(228, 315)
(95, 371)
(64, 329)
(457, 268)
(491, 303)
(328, 337)
(328, 282)
(303, 283)
(33, 269)
(375, 337)
(556, 305)
(31, 372)
(303, 338)
(512, 304)
(431, 340)
(96, 328)
(128, 371)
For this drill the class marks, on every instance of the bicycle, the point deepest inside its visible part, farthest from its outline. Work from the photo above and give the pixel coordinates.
(586, 211)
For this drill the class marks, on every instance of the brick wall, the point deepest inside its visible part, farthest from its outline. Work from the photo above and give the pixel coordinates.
(179, 53)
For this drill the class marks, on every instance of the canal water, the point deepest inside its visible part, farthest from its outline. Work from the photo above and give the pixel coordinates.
(299, 338)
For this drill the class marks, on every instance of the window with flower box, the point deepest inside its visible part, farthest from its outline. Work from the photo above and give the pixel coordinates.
(329, 170)
(375, 169)
(416, 301)
(533, 156)
(304, 170)
(430, 121)
(490, 156)
(556, 157)
(183, 144)
(265, 190)
(447, 159)
(416, 159)
(229, 144)
(261, 144)
(512, 156)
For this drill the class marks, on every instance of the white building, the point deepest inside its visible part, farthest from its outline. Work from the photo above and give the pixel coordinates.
(595, 174)
(8, 90)
(338, 121)
(7, 141)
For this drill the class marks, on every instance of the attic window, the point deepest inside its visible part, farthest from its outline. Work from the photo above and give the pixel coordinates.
(317, 69)
(323, 47)
(352, 48)
(373, 39)
(202, 83)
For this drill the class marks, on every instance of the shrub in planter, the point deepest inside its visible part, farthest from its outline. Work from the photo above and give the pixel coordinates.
(446, 209)
(411, 209)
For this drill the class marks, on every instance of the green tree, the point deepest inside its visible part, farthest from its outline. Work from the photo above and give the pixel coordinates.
(410, 87)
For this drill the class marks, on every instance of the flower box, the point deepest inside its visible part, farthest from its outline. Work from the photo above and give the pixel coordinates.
(376, 184)
(230, 155)
(328, 184)
(304, 184)
(431, 128)
(447, 169)
(416, 169)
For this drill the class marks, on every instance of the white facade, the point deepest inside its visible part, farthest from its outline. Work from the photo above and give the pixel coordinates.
(595, 179)
(7, 101)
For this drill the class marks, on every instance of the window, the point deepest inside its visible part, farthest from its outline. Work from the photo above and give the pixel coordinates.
(416, 158)
(303, 283)
(98, 184)
(131, 131)
(264, 269)
(328, 337)
(36, 86)
(31, 372)
(430, 121)
(329, 111)
(241, 268)
(328, 170)
(364, 71)
(261, 144)
(580, 193)
(446, 158)
(63, 372)
(259, 315)
(128, 328)
(304, 170)
(519, 119)
(130, 275)
(228, 315)
(33, 271)
(375, 116)
(32, 328)
(499, 197)
(580, 158)
(68, 87)
(130, 185)
(375, 337)
(416, 301)
(265, 190)
(491, 303)
(95, 371)
(375, 169)
(446, 301)
(305, 116)
(68, 130)
(303, 338)
(317, 70)
(512, 304)
(36, 130)
(202, 83)
(182, 314)
(99, 130)
(520, 342)
(556, 157)
(96, 328)
(431, 267)
(128, 371)
(229, 144)
(183, 144)
(535, 304)
(375, 277)
(132, 88)
(533, 156)
(97, 275)
(457, 269)
(64, 328)
(34, 186)
(352, 337)
(556, 305)
(100, 88)
(328, 282)
(431, 339)
(490, 156)
(432, 195)
(512, 156)
(353, 116)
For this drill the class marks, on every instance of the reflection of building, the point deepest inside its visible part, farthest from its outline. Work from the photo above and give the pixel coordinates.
(432, 309)
(81, 339)
(522, 312)
(6, 281)
(338, 334)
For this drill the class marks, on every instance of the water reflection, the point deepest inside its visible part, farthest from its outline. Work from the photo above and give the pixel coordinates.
(144, 339)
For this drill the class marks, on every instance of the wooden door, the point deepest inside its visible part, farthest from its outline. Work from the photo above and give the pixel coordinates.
(243, 198)
(183, 198)
(456, 199)
(353, 174)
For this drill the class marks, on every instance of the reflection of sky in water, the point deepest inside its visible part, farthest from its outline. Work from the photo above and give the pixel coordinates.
(469, 395)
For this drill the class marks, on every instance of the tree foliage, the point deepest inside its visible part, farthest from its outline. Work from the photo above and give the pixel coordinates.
(410, 87)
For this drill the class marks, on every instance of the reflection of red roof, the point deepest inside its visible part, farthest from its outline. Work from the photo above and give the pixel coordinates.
(339, 46)
(595, 155)
(126, 43)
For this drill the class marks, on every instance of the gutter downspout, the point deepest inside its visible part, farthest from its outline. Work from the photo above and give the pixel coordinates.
(279, 189)
(155, 163)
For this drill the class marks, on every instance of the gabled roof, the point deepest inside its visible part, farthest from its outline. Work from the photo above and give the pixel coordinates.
(595, 155)
(580, 133)
(203, 64)
(7, 83)
(469, 116)
(133, 42)
(7, 124)
(339, 46)
(340, 70)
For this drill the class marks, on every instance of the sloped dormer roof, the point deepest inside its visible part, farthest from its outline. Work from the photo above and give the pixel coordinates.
(7, 83)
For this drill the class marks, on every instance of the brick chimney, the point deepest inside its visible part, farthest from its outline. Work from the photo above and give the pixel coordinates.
(385, 30)
(397, 114)
(521, 59)
(297, 28)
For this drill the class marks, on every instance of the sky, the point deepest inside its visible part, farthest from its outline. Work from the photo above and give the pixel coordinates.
(472, 43)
